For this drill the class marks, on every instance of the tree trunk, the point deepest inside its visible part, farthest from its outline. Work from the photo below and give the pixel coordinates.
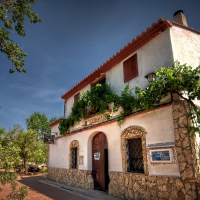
(24, 164)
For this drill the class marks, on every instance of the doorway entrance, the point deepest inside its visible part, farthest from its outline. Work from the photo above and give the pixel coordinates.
(100, 161)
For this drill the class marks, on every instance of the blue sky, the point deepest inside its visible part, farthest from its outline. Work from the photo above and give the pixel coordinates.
(74, 38)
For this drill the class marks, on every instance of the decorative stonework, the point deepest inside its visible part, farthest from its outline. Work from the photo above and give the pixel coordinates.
(129, 133)
(97, 118)
(73, 177)
(74, 144)
(185, 142)
(140, 186)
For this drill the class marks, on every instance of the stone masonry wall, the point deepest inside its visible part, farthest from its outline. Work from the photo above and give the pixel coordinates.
(142, 187)
(186, 146)
(73, 177)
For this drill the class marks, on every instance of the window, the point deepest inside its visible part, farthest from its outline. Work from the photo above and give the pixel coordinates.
(76, 97)
(74, 155)
(101, 80)
(74, 158)
(130, 67)
(134, 155)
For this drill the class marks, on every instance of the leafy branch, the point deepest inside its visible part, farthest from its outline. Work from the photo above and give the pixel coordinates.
(12, 14)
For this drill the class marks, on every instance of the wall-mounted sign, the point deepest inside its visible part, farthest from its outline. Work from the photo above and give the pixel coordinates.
(162, 155)
(81, 160)
(97, 156)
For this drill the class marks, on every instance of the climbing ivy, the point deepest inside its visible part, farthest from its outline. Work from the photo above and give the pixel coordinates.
(182, 80)
(90, 102)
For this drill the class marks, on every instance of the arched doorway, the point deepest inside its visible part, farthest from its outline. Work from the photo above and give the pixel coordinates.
(100, 161)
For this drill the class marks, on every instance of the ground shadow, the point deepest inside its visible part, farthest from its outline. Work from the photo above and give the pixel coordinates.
(47, 190)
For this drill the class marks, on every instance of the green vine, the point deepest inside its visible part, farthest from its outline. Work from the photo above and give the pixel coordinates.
(96, 100)
(181, 80)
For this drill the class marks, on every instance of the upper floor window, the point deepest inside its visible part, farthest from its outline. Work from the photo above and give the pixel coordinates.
(101, 81)
(130, 67)
(76, 97)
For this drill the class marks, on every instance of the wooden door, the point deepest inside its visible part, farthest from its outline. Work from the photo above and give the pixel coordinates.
(100, 161)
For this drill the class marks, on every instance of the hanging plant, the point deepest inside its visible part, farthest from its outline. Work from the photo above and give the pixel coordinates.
(91, 102)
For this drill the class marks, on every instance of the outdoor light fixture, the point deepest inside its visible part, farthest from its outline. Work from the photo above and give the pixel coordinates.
(151, 77)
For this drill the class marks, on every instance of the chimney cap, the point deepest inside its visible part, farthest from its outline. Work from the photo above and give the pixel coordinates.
(177, 12)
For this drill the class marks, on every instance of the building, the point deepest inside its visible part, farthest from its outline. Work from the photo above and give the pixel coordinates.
(97, 153)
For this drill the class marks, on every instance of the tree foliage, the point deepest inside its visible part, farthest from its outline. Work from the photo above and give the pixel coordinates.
(18, 147)
(9, 157)
(13, 14)
(39, 123)
(10, 134)
(30, 149)
(182, 80)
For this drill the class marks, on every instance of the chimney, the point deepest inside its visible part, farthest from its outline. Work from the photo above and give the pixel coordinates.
(180, 18)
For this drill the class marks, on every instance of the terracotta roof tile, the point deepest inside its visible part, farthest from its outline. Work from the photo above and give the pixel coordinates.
(56, 122)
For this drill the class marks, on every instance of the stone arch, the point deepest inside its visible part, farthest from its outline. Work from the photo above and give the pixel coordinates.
(73, 144)
(130, 133)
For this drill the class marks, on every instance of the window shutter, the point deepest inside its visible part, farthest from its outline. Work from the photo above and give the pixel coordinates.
(76, 97)
(130, 67)
(134, 66)
(127, 69)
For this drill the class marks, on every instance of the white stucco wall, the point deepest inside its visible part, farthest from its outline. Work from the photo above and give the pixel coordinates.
(69, 102)
(186, 46)
(159, 127)
(153, 55)
(54, 129)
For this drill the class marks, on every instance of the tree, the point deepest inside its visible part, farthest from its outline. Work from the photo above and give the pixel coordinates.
(9, 155)
(2, 133)
(5, 137)
(30, 149)
(39, 123)
(13, 14)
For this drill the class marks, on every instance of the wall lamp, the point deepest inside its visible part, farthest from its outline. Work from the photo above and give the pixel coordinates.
(151, 77)
(50, 139)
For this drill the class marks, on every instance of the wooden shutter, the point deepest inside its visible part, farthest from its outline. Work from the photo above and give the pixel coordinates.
(130, 67)
(76, 97)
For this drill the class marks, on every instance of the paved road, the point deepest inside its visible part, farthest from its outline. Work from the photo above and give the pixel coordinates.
(59, 191)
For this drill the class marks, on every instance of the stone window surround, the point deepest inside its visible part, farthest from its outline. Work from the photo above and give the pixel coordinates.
(130, 133)
(73, 144)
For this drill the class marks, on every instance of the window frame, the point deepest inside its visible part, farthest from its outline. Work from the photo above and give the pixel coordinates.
(74, 158)
(74, 145)
(129, 133)
(131, 156)
(130, 68)
(76, 97)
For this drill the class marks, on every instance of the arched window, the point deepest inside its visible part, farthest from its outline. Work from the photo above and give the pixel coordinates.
(73, 154)
(134, 155)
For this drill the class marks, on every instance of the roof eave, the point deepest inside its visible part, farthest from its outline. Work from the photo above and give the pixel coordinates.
(131, 47)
